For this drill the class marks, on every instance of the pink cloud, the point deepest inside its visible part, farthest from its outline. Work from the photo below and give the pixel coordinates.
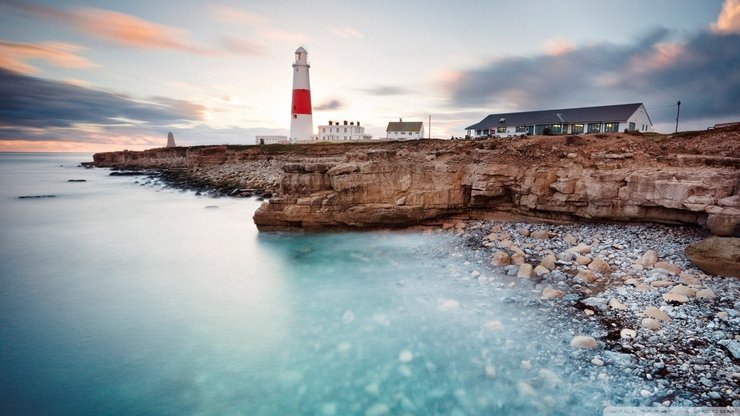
(16, 56)
(558, 46)
(233, 15)
(117, 27)
(728, 20)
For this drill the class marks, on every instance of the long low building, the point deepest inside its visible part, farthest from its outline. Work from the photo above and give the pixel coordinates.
(607, 118)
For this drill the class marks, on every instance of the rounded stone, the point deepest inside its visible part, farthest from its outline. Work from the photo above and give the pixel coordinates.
(584, 342)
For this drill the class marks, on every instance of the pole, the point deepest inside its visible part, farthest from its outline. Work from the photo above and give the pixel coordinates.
(678, 111)
(429, 135)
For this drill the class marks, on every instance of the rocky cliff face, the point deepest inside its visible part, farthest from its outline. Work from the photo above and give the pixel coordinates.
(616, 178)
(686, 179)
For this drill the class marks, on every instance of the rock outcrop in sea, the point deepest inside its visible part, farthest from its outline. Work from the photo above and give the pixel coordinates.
(689, 178)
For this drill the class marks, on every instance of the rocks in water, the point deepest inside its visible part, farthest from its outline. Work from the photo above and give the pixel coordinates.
(525, 271)
(651, 323)
(405, 356)
(378, 409)
(584, 342)
(627, 333)
(716, 255)
(550, 293)
(614, 303)
(500, 258)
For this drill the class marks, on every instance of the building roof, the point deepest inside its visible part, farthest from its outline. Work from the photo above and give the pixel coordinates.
(404, 126)
(619, 112)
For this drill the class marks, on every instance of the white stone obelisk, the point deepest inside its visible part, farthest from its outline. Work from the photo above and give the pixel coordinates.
(171, 140)
(301, 120)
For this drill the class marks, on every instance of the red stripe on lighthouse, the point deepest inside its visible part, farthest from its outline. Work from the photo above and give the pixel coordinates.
(301, 102)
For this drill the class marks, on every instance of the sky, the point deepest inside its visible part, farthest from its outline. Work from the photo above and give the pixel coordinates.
(110, 75)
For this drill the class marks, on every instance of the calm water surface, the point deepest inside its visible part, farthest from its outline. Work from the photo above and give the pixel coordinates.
(122, 298)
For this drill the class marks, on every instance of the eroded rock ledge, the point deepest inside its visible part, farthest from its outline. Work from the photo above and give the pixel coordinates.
(684, 179)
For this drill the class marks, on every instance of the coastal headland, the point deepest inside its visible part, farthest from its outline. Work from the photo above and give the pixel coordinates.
(685, 179)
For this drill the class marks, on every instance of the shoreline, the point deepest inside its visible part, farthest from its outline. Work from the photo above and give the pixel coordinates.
(660, 319)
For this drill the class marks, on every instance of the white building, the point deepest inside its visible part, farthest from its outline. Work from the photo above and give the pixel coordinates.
(336, 132)
(272, 140)
(602, 119)
(404, 130)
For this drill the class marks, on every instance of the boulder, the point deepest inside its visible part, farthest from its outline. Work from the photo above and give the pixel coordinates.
(599, 265)
(548, 261)
(586, 276)
(580, 249)
(705, 294)
(550, 293)
(670, 268)
(716, 255)
(648, 259)
(673, 297)
(541, 271)
(683, 290)
(651, 323)
(500, 258)
(584, 342)
(525, 271)
(540, 235)
(653, 312)
(517, 258)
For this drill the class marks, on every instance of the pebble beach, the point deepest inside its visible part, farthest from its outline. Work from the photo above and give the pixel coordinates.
(631, 299)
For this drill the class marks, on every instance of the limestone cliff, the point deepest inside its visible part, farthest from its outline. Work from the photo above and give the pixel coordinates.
(682, 179)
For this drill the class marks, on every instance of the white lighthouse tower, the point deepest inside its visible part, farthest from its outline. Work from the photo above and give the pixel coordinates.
(301, 120)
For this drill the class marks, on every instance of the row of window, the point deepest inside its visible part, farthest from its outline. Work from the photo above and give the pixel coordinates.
(331, 129)
(576, 128)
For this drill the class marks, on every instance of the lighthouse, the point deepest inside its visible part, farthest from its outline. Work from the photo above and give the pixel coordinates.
(301, 121)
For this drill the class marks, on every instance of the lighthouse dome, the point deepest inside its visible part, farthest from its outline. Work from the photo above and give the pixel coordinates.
(300, 50)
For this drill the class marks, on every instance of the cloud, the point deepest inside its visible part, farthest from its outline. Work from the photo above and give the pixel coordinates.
(728, 20)
(332, 104)
(701, 71)
(558, 46)
(385, 90)
(243, 47)
(116, 27)
(30, 102)
(231, 15)
(346, 32)
(16, 56)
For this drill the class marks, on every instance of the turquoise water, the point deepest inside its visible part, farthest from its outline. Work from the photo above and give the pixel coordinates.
(119, 297)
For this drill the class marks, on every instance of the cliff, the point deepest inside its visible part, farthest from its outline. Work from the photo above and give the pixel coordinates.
(682, 179)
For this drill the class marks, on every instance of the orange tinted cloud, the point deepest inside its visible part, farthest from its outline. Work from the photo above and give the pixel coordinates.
(728, 20)
(117, 27)
(16, 56)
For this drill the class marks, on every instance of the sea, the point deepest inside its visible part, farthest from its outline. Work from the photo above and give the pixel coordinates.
(122, 296)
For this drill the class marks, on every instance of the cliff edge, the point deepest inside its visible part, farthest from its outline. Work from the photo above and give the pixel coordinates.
(688, 178)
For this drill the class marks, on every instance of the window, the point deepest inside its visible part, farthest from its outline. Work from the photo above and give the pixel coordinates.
(611, 127)
(594, 127)
(345, 129)
(556, 128)
(632, 126)
(323, 129)
(500, 129)
(577, 128)
(478, 132)
(521, 129)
